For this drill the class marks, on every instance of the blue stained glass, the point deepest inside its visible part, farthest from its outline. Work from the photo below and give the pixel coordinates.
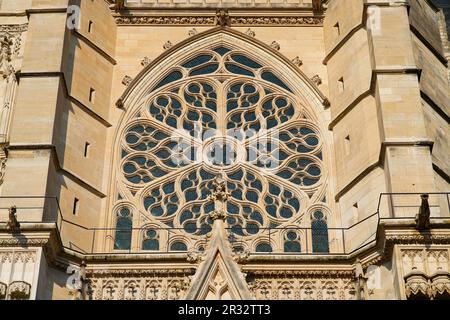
(269, 76)
(173, 76)
(193, 116)
(234, 68)
(132, 139)
(204, 229)
(252, 228)
(186, 215)
(272, 210)
(273, 189)
(305, 131)
(210, 68)
(190, 227)
(286, 212)
(237, 229)
(313, 170)
(257, 185)
(157, 211)
(197, 61)
(292, 246)
(171, 209)
(309, 182)
(178, 246)
(312, 141)
(237, 194)
(191, 195)
(319, 231)
(150, 244)
(252, 196)
(294, 203)
(221, 50)
(209, 207)
(291, 235)
(236, 175)
(232, 209)
(148, 201)
(263, 247)
(122, 239)
(257, 217)
(129, 168)
(246, 61)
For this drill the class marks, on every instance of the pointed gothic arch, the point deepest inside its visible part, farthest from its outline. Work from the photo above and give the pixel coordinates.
(224, 81)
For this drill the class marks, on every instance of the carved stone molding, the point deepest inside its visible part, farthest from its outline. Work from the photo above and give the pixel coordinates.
(145, 61)
(211, 20)
(192, 32)
(13, 242)
(19, 290)
(284, 21)
(3, 159)
(126, 81)
(302, 273)
(13, 28)
(317, 80)
(303, 289)
(167, 45)
(100, 273)
(250, 33)
(3, 288)
(440, 284)
(416, 284)
(138, 288)
(297, 61)
(275, 45)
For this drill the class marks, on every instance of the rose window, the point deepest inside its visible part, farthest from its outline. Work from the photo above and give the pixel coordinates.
(219, 112)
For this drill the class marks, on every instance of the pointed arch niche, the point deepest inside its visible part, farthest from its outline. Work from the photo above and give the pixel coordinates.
(220, 102)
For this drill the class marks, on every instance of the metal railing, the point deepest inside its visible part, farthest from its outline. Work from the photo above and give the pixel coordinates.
(339, 240)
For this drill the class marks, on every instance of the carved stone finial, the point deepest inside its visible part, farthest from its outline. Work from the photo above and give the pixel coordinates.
(423, 216)
(126, 81)
(146, 61)
(217, 215)
(219, 195)
(3, 157)
(167, 45)
(250, 33)
(275, 45)
(297, 61)
(13, 225)
(222, 18)
(119, 103)
(361, 280)
(242, 256)
(194, 256)
(6, 67)
(192, 32)
(220, 192)
(317, 5)
(317, 80)
(120, 5)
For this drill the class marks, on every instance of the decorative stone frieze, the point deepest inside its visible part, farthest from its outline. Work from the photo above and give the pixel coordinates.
(211, 20)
